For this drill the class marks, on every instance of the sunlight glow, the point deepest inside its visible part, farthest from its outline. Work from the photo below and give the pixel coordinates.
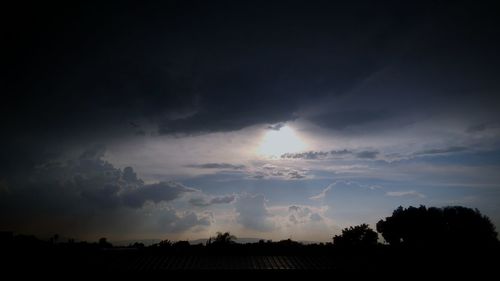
(277, 142)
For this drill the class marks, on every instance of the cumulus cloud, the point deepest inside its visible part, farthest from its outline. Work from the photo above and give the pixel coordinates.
(303, 214)
(253, 213)
(100, 183)
(303, 222)
(173, 221)
(92, 192)
(316, 217)
(157, 192)
(225, 166)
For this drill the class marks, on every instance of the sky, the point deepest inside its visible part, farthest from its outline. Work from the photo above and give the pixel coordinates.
(268, 119)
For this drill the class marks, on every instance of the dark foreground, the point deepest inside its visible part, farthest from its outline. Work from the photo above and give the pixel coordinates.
(383, 260)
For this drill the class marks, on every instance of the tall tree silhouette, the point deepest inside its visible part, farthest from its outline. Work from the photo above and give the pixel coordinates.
(357, 236)
(448, 226)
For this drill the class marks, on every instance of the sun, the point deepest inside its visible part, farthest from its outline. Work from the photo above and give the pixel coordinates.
(278, 142)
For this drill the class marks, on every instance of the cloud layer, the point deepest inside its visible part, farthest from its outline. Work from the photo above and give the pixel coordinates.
(93, 192)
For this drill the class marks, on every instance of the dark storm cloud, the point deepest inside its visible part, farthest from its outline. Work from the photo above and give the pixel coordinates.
(217, 166)
(102, 184)
(344, 119)
(88, 189)
(75, 73)
(482, 127)
(189, 66)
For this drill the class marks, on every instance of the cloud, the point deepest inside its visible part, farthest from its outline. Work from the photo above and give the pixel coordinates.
(333, 154)
(302, 222)
(295, 174)
(340, 152)
(226, 166)
(172, 221)
(303, 214)
(204, 202)
(305, 155)
(343, 187)
(222, 199)
(340, 120)
(104, 197)
(323, 193)
(100, 183)
(269, 171)
(157, 192)
(316, 217)
(409, 193)
(253, 213)
(336, 70)
(430, 152)
(482, 127)
(451, 149)
(276, 127)
(346, 154)
(130, 176)
(367, 154)
(161, 82)
(351, 203)
(88, 195)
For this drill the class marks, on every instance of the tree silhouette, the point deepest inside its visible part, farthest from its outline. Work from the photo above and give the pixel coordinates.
(165, 243)
(222, 239)
(55, 238)
(360, 236)
(437, 227)
(103, 243)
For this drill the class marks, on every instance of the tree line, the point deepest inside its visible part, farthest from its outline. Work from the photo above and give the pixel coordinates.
(412, 227)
